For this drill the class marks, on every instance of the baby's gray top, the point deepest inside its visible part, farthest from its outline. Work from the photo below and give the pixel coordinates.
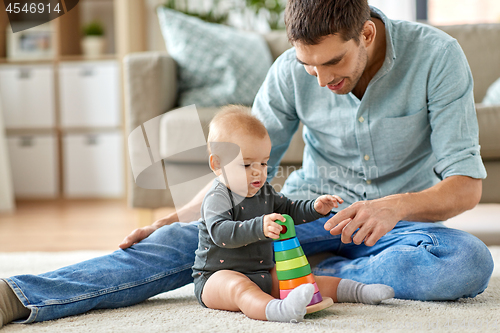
(231, 236)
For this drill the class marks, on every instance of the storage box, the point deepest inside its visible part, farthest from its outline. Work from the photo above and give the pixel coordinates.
(34, 165)
(90, 94)
(93, 165)
(27, 96)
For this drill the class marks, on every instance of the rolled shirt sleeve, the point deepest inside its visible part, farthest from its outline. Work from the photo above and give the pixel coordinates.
(452, 116)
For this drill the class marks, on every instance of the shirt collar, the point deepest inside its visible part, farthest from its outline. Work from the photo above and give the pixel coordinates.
(390, 53)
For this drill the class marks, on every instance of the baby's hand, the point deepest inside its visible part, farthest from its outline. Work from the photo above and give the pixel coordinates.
(271, 228)
(325, 203)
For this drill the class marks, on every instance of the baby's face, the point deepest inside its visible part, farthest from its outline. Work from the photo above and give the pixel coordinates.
(246, 175)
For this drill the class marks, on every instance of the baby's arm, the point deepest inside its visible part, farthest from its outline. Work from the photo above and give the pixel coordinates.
(303, 211)
(218, 216)
(325, 203)
(227, 233)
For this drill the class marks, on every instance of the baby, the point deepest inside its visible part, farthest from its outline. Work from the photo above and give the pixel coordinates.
(234, 268)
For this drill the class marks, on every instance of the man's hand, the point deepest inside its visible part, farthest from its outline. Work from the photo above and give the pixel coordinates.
(139, 234)
(271, 228)
(325, 203)
(373, 218)
(136, 236)
(189, 212)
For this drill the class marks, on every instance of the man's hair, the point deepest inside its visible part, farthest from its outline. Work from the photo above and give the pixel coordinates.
(233, 119)
(309, 21)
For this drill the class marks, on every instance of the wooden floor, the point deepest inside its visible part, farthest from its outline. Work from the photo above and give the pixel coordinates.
(66, 225)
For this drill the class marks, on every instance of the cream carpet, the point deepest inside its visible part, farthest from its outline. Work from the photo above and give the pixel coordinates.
(178, 310)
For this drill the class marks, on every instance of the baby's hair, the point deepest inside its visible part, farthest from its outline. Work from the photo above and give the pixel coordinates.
(234, 118)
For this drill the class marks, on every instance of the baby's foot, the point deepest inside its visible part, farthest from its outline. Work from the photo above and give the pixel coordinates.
(293, 307)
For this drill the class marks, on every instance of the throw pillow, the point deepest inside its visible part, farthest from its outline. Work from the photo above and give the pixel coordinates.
(493, 94)
(217, 64)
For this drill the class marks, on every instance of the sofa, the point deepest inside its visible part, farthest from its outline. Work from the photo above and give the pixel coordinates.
(151, 92)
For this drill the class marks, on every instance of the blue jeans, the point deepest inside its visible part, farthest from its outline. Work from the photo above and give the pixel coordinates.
(421, 261)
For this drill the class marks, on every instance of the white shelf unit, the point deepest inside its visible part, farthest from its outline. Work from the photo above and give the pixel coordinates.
(63, 116)
(77, 154)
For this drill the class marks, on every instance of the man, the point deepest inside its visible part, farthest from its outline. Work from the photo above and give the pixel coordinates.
(389, 126)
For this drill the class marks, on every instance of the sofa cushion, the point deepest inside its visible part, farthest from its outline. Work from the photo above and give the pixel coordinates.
(218, 64)
(481, 221)
(488, 118)
(493, 94)
(174, 125)
(492, 182)
(277, 42)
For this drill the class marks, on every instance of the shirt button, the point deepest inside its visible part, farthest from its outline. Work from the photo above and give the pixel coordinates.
(368, 181)
(367, 157)
(361, 119)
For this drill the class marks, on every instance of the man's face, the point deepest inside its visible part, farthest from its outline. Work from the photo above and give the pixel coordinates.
(336, 63)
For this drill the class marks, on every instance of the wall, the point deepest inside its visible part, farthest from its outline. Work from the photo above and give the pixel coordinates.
(6, 190)
(155, 40)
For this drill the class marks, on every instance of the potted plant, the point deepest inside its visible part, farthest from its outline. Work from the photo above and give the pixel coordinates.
(214, 15)
(273, 8)
(93, 42)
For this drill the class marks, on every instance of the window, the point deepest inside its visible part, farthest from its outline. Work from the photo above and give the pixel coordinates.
(447, 12)
(397, 9)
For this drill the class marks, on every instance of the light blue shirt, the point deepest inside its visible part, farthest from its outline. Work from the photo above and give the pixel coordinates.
(415, 125)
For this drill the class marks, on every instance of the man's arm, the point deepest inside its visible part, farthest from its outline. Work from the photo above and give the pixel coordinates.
(190, 211)
(447, 199)
(375, 218)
